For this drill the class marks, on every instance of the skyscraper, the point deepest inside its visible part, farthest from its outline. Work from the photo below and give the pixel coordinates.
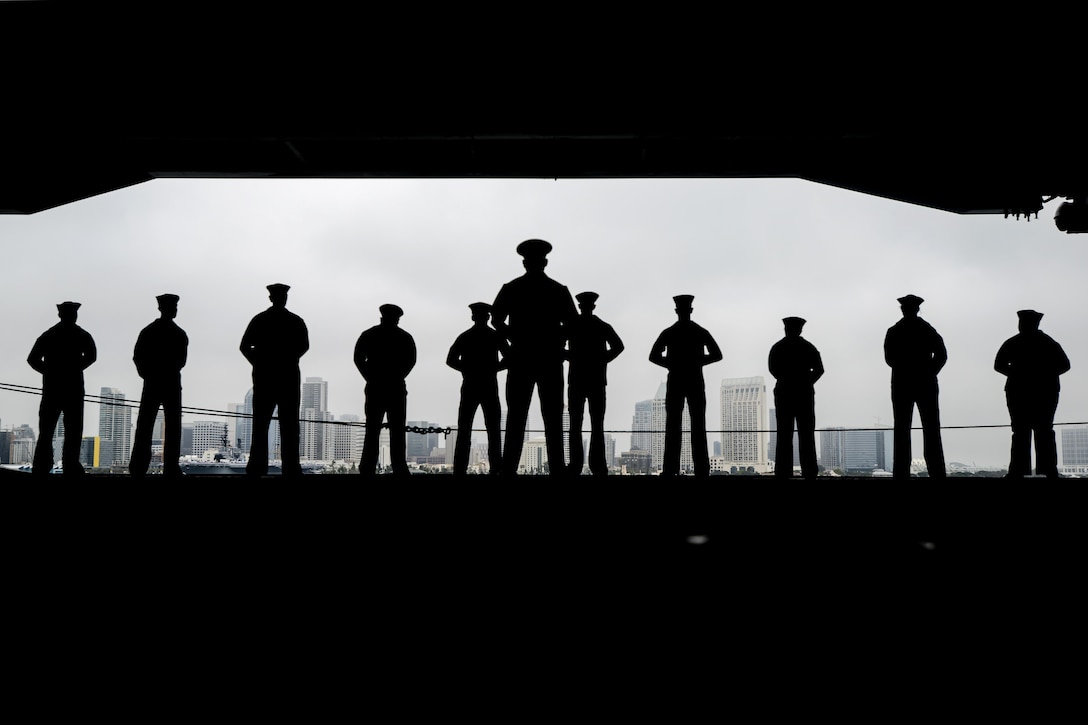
(244, 427)
(1075, 446)
(23, 441)
(832, 448)
(864, 451)
(58, 438)
(209, 435)
(345, 440)
(534, 454)
(856, 451)
(609, 450)
(744, 422)
(313, 413)
(641, 425)
(114, 427)
(187, 439)
(420, 445)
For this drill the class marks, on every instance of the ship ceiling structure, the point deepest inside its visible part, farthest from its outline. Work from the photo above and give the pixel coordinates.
(100, 101)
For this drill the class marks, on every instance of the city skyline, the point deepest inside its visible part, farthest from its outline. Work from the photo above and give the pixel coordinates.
(750, 251)
(851, 449)
(652, 427)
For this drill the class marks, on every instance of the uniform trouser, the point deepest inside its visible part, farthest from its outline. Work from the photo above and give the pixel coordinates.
(795, 407)
(548, 380)
(168, 395)
(272, 390)
(577, 399)
(70, 403)
(385, 401)
(483, 394)
(1032, 413)
(905, 395)
(692, 389)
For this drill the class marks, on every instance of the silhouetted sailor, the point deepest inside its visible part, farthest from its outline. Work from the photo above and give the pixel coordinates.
(1032, 361)
(274, 342)
(592, 344)
(478, 354)
(684, 349)
(61, 355)
(160, 353)
(916, 353)
(385, 354)
(796, 366)
(534, 313)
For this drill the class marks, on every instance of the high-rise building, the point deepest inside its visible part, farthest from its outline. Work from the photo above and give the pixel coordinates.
(314, 415)
(856, 451)
(187, 439)
(420, 445)
(345, 438)
(641, 426)
(158, 430)
(1075, 446)
(534, 454)
(90, 452)
(58, 438)
(864, 451)
(21, 444)
(244, 427)
(832, 447)
(114, 427)
(744, 422)
(209, 435)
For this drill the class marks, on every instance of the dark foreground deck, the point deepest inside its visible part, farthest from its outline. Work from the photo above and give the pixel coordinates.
(629, 531)
(539, 586)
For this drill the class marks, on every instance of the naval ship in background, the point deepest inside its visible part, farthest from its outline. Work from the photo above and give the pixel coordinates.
(230, 460)
(225, 462)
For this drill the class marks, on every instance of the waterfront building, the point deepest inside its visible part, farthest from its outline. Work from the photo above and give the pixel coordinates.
(1075, 446)
(18, 447)
(243, 429)
(534, 454)
(642, 425)
(345, 439)
(187, 439)
(609, 450)
(114, 427)
(209, 435)
(832, 445)
(90, 452)
(744, 423)
(856, 451)
(635, 462)
(419, 446)
(313, 416)
(58, 439)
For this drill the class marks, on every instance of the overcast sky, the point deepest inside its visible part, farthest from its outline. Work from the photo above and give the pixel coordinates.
(750, 251)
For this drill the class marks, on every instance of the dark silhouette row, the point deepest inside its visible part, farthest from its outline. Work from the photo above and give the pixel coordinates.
(536, 327)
